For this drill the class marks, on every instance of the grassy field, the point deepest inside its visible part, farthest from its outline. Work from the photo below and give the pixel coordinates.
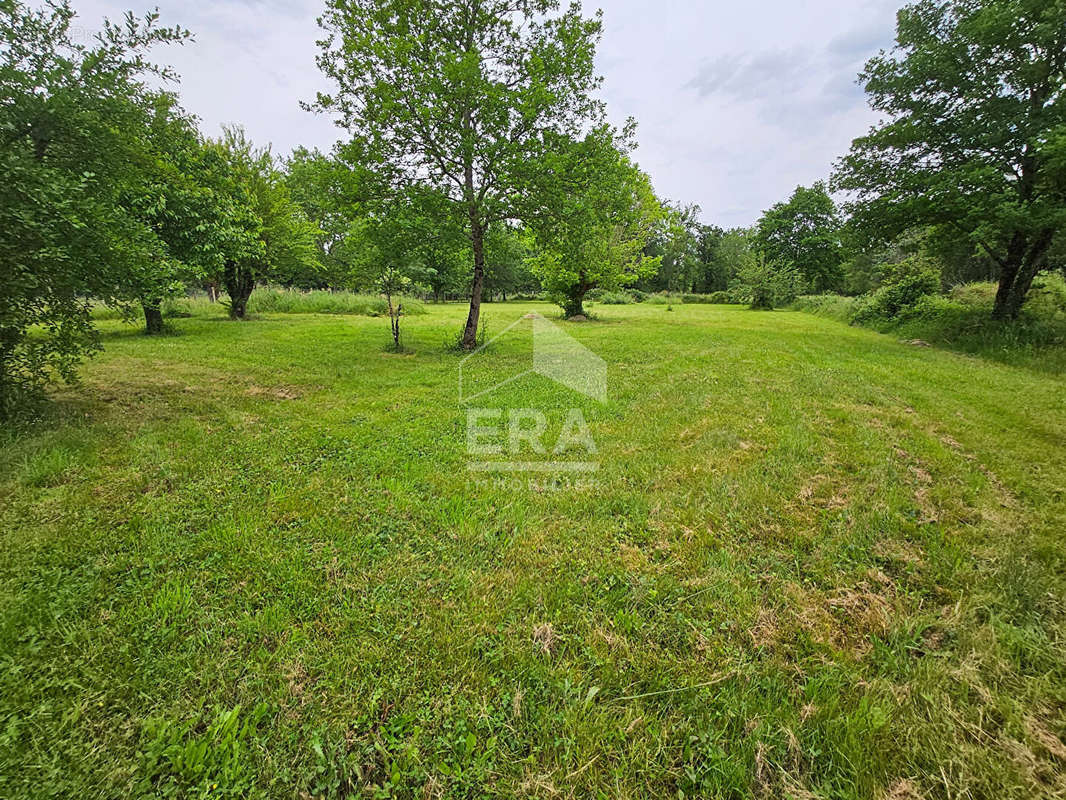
(247, 560)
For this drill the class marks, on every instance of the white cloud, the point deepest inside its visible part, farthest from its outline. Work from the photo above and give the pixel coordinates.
(736, 103)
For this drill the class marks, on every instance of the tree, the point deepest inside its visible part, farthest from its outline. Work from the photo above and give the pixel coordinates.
(676, 243)
(714, 274)
(330, 194)
(596, 221)
(435, 241)
(507, 268)
(70, 117)
(805, 233)
(392, 284)
(975, 136)
(733, 252)
(180, 200)
(460, 98)
(276, 240)
(765, 284)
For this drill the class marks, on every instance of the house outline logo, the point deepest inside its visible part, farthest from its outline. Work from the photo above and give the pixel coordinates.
(557, 356)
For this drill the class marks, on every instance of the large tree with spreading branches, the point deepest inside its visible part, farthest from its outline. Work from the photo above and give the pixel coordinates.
(974, 135)
(460, 98)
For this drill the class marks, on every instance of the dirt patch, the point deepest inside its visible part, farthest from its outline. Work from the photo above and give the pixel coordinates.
(544, 635)
(276, 392)
(1045, 738)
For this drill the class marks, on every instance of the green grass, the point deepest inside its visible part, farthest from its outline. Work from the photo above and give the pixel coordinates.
(247, 560)
(962, 321)
(274, 300)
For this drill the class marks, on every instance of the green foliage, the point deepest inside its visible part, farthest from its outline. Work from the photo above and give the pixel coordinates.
(71, 152)
(277, 300)
(834, 306)
(185, 195)
(676, 242)
(177, 761)
(974, 134)
(275, 240)
(507, 263)
(713, 297)
(601, 214)
(906, 284)
(961, 320)
(612, 298)
(461, 100)
(766, 285)
(331, 196)
(804, 234)
(392, 284)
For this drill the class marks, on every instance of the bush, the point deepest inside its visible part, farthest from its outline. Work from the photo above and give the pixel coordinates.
(903, 287)
(1048, 295)
(659, 299)
(714, 297)
(962, 320)
(638, 295)
(766, 285)
(615, 298)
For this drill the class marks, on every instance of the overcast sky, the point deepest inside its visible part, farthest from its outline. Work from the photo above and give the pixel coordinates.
(736, 102)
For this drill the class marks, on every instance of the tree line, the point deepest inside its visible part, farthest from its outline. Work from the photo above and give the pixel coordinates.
(476, 161)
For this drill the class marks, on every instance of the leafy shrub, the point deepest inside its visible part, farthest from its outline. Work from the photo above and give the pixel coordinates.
(932, 306)
(615, 298)
(1048, 295)
(638, 295)
(904, 285)
(717, 298)
(962, 321)
(765, 284)
(659, 299)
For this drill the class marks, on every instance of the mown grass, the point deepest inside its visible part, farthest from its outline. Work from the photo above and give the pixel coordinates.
(247, 560)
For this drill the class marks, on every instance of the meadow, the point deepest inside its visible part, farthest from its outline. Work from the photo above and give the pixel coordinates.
(246, 559)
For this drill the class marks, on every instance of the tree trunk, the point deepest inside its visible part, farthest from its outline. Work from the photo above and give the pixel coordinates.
(394, 321)
(239, 284)
(153, 317)
(1025, 258)
(1035, 260)
(575, 301)
(1008, 272)
(477, 242)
